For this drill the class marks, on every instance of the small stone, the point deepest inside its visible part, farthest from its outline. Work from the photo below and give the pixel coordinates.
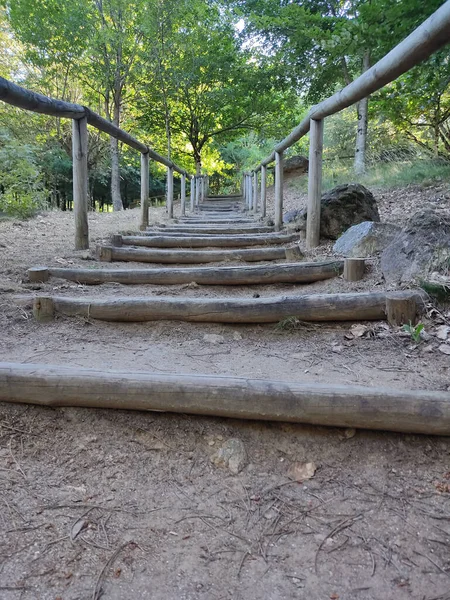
(444, 348)
(337, 349)
(442, 332)
(237, 336)
(231, 455)
(301, 471)
(213, 338)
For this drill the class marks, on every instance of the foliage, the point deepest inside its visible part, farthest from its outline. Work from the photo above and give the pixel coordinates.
(414, 331)
(21, 188)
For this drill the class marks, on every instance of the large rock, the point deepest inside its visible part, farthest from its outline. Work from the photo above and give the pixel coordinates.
(341, 207)
(298, 164)
(423, 247)
(366, 239)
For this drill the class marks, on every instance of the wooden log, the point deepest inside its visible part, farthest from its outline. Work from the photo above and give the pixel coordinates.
(312, 307)
(278, 190)
(401, 311)
(354, 269)
(80, 182)
(248, 275)
(209, 229)
(185, 234)
(314, 184)
(263, 191)
(419, 45)
(43, 309)
(192, 205)
(38, 274)
(423, 412)
(294, 253)
(170, 192)
(117, 240)
(218, 241)
(197, 191)
(233, 220)
(28, 100)
(108, 254)
(183, 194)
(145, 187)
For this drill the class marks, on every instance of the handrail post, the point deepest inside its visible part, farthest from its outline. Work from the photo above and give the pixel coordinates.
(192, 193)
(145, 187)
(278, 190)
(183, 194)
(169, 200)
(248, 192)
(197, 190)
(263, 190)
(314, 183)
(80, 182)
(255, 191)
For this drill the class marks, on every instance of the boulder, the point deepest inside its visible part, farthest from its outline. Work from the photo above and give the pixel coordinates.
(296, 164)
(341, 207)
(366, 239)
(421, 248)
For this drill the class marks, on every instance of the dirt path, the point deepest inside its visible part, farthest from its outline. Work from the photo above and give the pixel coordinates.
(130, 504)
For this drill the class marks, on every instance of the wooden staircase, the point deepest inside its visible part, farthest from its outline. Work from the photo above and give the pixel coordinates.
(221, 232)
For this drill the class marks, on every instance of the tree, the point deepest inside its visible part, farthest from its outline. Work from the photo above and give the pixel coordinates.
(324, 44)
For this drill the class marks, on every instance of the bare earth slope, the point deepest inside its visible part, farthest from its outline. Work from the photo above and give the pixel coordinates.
(129, 505)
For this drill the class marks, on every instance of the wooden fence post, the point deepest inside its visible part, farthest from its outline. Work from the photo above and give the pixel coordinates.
(80, 182)
(192, 193)
(255, 191)
(197, 190)
(145, 186)
(183, 194)
(278, 190)
(263, 190)
(314, 183)
(169, 200)
(249, 191)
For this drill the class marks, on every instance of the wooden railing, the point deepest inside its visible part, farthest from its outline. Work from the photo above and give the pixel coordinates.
(419, 45)
(82, 117)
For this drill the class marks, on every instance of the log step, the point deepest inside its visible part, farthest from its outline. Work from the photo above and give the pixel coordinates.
(314, 307)
(224, 241)
(249, 275)
(110, 253)
(226, 229)
(406, 411)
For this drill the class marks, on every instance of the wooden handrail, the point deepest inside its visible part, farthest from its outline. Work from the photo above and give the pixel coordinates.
(14, 94)
(433, 34)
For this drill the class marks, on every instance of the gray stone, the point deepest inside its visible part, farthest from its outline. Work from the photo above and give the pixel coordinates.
(421, 248)
(365, 239)
(295, 164)
(231, 455)
(341, 207)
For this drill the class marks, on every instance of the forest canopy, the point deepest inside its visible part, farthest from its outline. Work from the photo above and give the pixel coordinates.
(212, 85)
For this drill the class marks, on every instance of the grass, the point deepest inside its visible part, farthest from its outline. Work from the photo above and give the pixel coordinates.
(388, 174)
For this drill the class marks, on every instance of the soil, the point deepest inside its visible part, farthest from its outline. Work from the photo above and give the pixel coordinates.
(121, 504)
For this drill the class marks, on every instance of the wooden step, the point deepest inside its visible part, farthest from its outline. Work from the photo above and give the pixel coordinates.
(245, 275)
(419, 412)
(314, 307)
(201, 229)
(205, 241)
(110, 253)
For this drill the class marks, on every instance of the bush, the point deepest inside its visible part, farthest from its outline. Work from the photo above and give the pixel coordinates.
(22, 192)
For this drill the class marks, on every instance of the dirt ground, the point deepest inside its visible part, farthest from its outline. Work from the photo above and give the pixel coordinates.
(121, 505)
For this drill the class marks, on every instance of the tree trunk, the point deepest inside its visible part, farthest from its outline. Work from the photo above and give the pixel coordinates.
(361, 134)
(115, 156)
